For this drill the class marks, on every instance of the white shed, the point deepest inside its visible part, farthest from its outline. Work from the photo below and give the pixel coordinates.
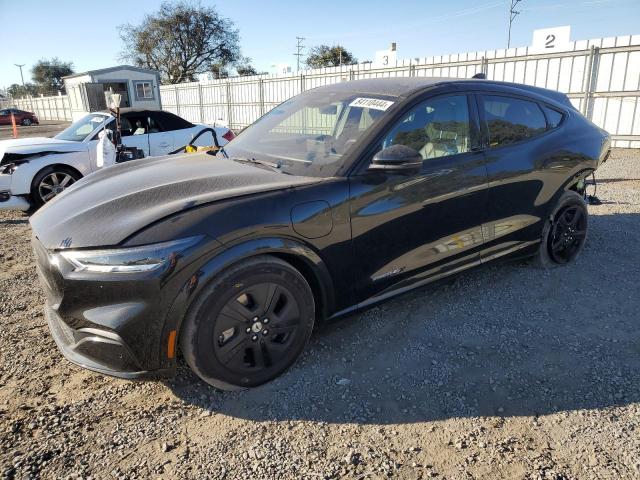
(89, 91)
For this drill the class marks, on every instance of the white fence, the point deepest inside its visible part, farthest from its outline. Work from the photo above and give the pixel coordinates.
(600, 76)
(46, 108)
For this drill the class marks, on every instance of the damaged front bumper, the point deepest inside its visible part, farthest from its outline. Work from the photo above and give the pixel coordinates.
(8, 201)
(13, 202)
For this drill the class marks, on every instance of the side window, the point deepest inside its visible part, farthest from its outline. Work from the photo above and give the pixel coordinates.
(554, 117)
(511, 120)
(155, 123)
(109, 126)
(436, 128)
(166, 121)
(134, 124)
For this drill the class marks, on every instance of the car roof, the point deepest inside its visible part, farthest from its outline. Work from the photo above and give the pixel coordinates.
(405, 86)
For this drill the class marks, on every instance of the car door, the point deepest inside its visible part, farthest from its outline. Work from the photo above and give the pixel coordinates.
(5, 117)
(513, 129)
(161, 138)
(134, 128)
(407, 229)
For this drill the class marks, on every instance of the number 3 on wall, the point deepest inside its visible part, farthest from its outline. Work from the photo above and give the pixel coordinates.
(550, 39)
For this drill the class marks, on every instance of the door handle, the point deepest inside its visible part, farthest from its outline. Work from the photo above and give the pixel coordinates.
(163, 145)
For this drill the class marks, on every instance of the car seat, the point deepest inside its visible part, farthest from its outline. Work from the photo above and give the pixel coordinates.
(447, 132)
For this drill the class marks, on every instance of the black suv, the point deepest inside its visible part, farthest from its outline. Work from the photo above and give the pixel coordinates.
(336, 199)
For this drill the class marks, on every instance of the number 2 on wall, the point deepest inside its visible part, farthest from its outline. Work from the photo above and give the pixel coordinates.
(550, 39)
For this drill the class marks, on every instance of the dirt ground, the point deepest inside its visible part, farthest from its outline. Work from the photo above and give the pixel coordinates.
(504, 372)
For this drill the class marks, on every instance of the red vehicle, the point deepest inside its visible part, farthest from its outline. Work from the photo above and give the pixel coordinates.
(22, 117)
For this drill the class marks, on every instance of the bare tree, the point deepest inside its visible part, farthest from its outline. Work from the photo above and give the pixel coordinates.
(181, 40)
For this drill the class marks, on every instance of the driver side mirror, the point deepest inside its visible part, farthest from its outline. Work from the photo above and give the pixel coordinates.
(398, 159)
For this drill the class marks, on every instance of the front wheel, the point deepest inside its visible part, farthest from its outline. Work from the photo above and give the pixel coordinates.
(26, 122)
(249, 325)
(564, 235)
(50, 182)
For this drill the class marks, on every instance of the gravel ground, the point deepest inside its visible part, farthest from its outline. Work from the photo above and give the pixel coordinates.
(503, 372)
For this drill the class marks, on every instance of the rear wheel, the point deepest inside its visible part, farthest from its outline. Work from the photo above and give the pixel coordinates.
(26, 122)
(50, 182)
(249, 325)
(564, 236)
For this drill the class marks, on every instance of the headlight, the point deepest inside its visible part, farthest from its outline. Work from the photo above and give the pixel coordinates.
(134, 259)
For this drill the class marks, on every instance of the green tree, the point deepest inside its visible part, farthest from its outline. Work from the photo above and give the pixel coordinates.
(244, 67)
(326, 56)
(181, 40)
(18, 91)
(47, 75)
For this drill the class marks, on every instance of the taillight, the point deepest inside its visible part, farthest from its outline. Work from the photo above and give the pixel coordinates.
(228, 136)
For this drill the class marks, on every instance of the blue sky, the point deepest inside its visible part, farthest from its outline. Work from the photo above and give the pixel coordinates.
(85, 32)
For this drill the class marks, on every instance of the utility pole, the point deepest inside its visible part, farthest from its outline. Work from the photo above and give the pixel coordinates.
(299, 47)
(513, 13)
(20, 67)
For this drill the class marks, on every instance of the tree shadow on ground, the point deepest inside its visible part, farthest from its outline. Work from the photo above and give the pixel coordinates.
(505, 339)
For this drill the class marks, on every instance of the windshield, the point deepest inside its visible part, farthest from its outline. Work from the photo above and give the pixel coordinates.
(310, 133)
(79, 130)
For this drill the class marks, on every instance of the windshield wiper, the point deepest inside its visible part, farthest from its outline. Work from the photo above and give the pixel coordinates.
(273, 166)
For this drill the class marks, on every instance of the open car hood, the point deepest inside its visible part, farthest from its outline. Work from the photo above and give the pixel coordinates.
(106, 207)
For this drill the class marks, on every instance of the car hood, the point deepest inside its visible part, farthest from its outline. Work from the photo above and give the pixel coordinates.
(106, 207)
(36, 145)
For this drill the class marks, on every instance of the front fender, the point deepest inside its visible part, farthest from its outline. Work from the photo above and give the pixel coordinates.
(23, 175)
(224, 256)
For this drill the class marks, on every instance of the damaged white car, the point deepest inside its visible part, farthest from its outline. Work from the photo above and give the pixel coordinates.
(34, 170)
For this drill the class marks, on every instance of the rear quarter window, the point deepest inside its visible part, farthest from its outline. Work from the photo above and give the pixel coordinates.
(511, 120)
(554, 117)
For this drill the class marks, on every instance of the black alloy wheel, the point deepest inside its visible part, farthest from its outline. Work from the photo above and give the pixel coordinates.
(565, 233)
(26, 122)
(568, 233)
(255, 328)
(249, 325)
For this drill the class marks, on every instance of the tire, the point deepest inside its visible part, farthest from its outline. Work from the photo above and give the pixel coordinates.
(48, 175)
(564, 233)
(249, 324)
(26, 122)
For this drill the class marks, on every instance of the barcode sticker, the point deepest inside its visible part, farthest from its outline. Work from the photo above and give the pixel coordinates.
(373, 103)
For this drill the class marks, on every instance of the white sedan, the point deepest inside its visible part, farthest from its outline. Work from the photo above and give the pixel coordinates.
(34, 170)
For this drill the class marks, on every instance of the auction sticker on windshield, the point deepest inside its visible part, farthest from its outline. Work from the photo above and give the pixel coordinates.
(373, 103)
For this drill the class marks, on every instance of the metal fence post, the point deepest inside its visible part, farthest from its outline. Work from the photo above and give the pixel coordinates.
(229, 111)
(261, 96)
(200, 102)
(590, 81)
(301, 82)
(177, 101)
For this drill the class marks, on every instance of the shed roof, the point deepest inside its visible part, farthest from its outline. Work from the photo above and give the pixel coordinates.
(113, 69)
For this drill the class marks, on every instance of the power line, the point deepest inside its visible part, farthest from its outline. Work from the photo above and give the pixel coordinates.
(513, 13)
(299, 47)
